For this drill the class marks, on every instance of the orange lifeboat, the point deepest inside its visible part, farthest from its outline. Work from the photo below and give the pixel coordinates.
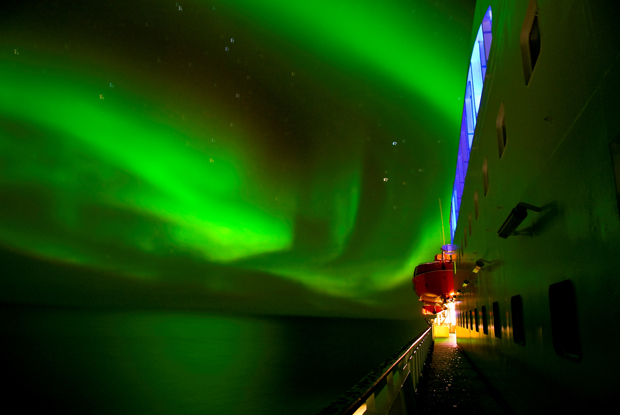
(433, 281)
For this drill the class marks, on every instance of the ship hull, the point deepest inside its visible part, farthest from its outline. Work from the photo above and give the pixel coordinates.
(548, 292)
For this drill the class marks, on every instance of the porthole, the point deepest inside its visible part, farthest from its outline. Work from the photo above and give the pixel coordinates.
(485, 321)
(476, 320)
(476, 203)
(497, 321)
(564, 320)
(500, 125)
(530, 40)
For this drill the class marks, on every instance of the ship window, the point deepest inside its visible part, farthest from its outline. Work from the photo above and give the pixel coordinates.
(564, 319)
(500, 125)
(485, 323)
(476, 320)
(485, 176)
(471, 319)
(469, 220)
(476, 203)
(518, 327)
(615, 160)
(465, 238)
(530, 40)
(497, 321)
(474, 87)
(534, 42)
(466, 320)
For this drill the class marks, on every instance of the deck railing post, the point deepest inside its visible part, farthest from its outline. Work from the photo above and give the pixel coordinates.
(390, 387)
(371, 407)
(416, 368)
(408, 395)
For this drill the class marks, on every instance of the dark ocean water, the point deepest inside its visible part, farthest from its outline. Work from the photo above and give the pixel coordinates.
(129, 362)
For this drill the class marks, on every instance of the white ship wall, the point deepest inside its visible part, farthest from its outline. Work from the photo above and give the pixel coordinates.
(557, 156)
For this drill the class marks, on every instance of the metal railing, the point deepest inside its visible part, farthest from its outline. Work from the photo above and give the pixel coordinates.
(392, 383)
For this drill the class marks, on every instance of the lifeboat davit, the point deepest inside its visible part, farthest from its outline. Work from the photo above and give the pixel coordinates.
(433, 281)
(431, 309)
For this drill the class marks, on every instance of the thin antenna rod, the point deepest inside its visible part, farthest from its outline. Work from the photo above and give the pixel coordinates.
(443, 232)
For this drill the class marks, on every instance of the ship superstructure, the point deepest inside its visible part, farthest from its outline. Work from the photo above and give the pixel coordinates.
(538, 223)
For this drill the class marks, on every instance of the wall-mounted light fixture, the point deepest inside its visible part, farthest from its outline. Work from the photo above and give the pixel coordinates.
(517, 215)
(477, 266)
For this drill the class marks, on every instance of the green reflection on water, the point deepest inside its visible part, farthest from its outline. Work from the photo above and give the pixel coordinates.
(97, 362)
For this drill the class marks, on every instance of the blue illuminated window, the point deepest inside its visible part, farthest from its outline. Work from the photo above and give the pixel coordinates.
(473, 95)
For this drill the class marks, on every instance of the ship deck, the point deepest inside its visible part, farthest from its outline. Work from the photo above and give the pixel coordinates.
(452, 385)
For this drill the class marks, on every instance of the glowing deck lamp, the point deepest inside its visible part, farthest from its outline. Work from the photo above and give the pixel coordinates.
(465, 282)
(478, 266)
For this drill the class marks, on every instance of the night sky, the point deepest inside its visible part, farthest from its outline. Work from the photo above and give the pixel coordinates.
(269, 157)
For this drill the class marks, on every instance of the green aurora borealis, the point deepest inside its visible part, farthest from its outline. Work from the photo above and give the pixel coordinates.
(231, 154)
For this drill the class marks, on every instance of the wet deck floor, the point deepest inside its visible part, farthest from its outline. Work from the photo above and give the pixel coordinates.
(451, 385)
